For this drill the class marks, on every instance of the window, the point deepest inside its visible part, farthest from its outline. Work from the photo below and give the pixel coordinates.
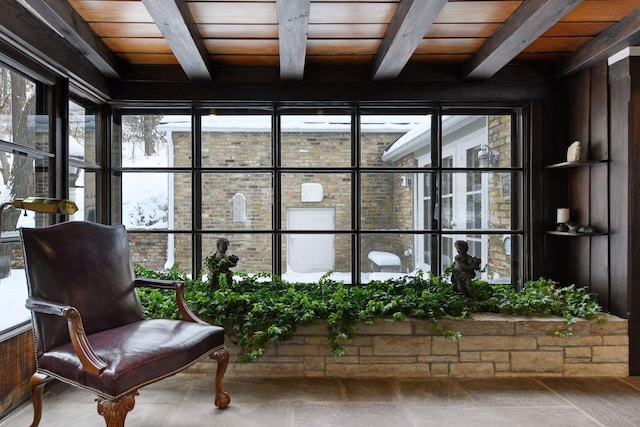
(83, 162)
(365, 193)
(476, 207)
(25, 168)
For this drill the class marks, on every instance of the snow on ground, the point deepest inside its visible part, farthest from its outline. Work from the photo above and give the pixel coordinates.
(13, 292)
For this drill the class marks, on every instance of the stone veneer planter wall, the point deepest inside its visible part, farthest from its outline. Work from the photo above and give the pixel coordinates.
(490, 346)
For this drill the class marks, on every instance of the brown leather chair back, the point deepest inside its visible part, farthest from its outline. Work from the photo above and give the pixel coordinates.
(84, 265)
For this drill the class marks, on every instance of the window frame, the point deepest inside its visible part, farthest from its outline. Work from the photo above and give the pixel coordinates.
(278, 233)
(95, 166)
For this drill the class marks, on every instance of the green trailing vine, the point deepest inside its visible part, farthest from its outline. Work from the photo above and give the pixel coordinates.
(263, 308)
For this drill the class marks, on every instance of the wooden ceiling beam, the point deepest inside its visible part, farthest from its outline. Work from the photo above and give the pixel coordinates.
(293, 28)
(64, 19)
(622, 34)
(406, 30)
(175, 22)
(523, 27)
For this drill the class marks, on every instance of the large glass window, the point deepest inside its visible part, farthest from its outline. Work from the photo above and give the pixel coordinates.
(360, 193)
(25, 170)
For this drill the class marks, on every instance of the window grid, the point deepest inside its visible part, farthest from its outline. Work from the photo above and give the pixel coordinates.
(356, 231)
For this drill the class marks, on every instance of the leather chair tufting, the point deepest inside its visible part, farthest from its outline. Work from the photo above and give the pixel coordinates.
(88, 324)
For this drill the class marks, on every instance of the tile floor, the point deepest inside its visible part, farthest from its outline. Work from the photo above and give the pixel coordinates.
(186, 400)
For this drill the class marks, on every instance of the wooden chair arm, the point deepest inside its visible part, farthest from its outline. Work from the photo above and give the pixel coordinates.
(91, 362)
(185, 311)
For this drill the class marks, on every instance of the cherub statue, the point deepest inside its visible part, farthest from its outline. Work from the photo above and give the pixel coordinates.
(465, 267)
(220, 264)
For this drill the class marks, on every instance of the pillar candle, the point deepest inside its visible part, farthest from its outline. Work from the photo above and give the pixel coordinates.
(562, 216)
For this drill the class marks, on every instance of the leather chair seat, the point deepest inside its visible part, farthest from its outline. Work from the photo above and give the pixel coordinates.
(136, 354)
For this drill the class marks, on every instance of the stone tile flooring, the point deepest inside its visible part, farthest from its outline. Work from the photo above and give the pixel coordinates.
(187, 400)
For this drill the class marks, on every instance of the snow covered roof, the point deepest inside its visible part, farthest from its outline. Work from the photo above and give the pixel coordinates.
(310, 123)
(415, 130)
(420, 136)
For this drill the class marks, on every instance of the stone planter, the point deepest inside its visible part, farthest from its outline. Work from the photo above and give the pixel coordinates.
(491, 345)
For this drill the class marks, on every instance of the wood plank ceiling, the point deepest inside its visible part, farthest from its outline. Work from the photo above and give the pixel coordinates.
(479, 37)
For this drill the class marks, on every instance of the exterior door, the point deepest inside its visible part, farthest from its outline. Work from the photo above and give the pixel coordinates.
(308, 253)
(463, 200)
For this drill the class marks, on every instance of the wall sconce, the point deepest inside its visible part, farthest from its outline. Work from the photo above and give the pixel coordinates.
(41, 204)
(403, 181)
(487, 157)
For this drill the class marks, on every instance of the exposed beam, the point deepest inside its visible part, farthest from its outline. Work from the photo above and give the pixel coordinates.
(622, 34)
(406, 30)
(179, 29)
(293, 23)
(64, 19)
(524, 26)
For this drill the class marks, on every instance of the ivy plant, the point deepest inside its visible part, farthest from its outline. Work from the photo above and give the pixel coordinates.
(262, 308)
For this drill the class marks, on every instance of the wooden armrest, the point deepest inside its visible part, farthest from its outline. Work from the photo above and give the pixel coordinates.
(185, 311)
(89, 359)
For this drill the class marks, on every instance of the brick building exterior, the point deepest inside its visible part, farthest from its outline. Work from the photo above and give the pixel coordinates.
(386, 198)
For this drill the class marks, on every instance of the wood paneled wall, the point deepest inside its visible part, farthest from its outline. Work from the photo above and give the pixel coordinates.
(18, 364)
(602, 110)
(579, 113)
(624, 175)
(599, 182)
(588, 192)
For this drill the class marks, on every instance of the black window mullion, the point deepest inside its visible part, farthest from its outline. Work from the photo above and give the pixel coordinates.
(436, 160)
(355, 197)
(276, 264)
(61, 138)
(196, 190)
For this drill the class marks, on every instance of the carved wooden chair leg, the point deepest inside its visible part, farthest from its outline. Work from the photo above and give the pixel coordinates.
(36, 385)
(222, 357)
(115, 411)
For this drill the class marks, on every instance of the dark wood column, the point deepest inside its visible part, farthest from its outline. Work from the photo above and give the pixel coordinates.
(624, 187)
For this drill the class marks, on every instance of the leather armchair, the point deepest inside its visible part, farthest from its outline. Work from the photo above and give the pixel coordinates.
(88, 325)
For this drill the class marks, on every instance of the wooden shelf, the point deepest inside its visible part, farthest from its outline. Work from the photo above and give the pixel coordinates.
(567, 234)
(565, 165)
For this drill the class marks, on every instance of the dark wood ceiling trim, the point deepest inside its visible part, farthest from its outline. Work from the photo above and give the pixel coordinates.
(406, 30)
(175, 22)
(65, 20)
(523, 27)
(22, 31)
(623, 34)
(293, 24)
(185, 94)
